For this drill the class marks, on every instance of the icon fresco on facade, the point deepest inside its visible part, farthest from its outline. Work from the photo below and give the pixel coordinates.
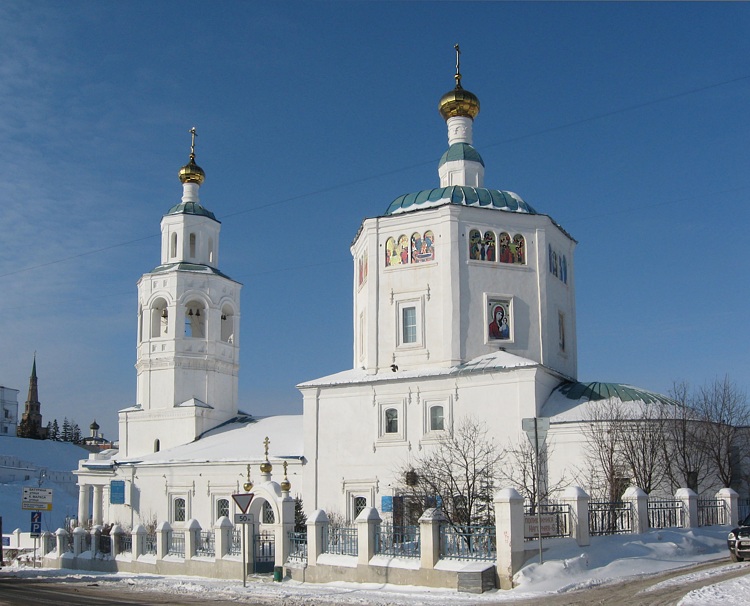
(422, 247)
(498, 328)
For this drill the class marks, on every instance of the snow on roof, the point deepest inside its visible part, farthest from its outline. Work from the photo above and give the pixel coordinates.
(239, 441)
(574, 402)
(496, 361)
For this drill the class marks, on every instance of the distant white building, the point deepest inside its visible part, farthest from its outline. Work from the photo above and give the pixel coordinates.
(8, 411)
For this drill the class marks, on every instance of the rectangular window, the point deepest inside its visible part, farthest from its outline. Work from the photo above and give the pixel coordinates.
(561, 329)
(391, 420)
(436, 419)
(409, 325)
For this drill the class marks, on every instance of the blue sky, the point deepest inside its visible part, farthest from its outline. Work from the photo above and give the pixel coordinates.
(626, 122)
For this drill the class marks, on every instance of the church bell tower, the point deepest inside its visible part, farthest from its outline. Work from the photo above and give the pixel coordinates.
(188, 331)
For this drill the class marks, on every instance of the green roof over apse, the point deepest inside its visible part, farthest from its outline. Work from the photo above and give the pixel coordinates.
(191, 208)
(601, 391)
(462, 195)
(461, 151)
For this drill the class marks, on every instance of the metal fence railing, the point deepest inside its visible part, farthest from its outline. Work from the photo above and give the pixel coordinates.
(177, 544)
(149, 544)
(665, 513)
(743, 509)
(298, 546)
(235, 545)
(342, 540)
(401, 541)
(711, 512)
(86, 542)
(468, 542)
(205, 545)
(609, 517)
(125, 544)
(555, 520)
(105, 544)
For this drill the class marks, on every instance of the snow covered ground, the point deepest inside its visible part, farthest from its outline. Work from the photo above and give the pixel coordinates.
(566, 568)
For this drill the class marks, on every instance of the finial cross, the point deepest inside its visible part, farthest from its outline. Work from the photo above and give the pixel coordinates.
(458, 65)
(266, 442)
(194, 134)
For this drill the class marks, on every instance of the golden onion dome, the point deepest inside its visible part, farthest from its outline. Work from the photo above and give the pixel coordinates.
(286, 485)
(266, 466)
(192, 173)
(459, 101)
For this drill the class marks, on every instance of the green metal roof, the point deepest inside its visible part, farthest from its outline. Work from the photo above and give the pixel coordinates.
(461, 151)
(601, 391)
(196, 267)
(191, 208)
(461, 195)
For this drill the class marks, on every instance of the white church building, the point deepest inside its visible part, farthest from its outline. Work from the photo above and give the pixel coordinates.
(463, 306)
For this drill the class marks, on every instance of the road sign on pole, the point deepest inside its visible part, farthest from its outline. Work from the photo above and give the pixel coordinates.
(36, 499)
(536, 428)
(36, 524)
(243, 500)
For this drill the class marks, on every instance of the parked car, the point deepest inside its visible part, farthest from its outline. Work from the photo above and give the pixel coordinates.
(738, 541)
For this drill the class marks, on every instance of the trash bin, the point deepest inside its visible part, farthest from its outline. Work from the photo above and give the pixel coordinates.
(278, 573)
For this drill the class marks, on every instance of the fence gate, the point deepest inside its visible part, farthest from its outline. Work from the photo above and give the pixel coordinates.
(264, 552)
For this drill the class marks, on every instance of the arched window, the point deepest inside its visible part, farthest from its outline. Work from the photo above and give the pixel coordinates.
(222, 508)
(192, 246)
(159, 318)
(475, 245)
(157, 445)
(437, 420)
(195, 320)
(391, 420)
(519, 249)
(564, 273)
(227, 324)
(358, 504)
(210, 250)
(173, 246)
(268, 516)
(489, 251)
(179, 510)
(140, 323)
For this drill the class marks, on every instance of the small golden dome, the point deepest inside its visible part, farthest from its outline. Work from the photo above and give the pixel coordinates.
(192, 173)
(458, 102)
(266, 466)
(286, 485)
(248, 486)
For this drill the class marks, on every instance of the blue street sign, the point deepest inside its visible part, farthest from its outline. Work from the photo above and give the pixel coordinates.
(36, 524)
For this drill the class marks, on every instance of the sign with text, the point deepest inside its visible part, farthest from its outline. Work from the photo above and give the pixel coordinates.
(536, 428)
(117, 492)
(243, 518)
(36, 524)
(36, 499)
(531, 526)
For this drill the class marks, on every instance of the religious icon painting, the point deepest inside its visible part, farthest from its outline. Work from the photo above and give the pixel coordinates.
(498, 319)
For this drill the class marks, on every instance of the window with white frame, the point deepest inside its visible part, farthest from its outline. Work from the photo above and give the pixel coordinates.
(358, 504)
(437, 418)
(222, 508)
(178, 510)
(391, 420)
(268, 515)
(409, 323)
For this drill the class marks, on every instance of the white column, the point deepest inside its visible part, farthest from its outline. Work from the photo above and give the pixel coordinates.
(98, 505)
(509, 535)
(83, 504)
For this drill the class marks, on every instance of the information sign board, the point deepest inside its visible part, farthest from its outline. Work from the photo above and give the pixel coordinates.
(117, 492)
(36, 499)
(243, 518)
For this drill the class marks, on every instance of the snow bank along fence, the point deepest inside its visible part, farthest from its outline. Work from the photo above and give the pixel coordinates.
(433, 553)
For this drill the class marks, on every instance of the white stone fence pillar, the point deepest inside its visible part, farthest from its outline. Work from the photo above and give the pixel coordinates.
(578, 507)
(508, 535)
(223, 533)
(62, 542)
(138, 536)
(163, 539)
(192, 537)
(95, 533)
(368, 521)
(78, 535)
(429, 537)
(317, 535)
(638, 501)
(731, 506)
(689, 507)
(114, 536)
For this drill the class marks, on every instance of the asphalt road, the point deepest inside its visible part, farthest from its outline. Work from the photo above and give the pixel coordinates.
(630, 592)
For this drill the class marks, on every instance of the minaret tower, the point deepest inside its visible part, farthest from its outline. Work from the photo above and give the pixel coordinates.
(188, 331)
